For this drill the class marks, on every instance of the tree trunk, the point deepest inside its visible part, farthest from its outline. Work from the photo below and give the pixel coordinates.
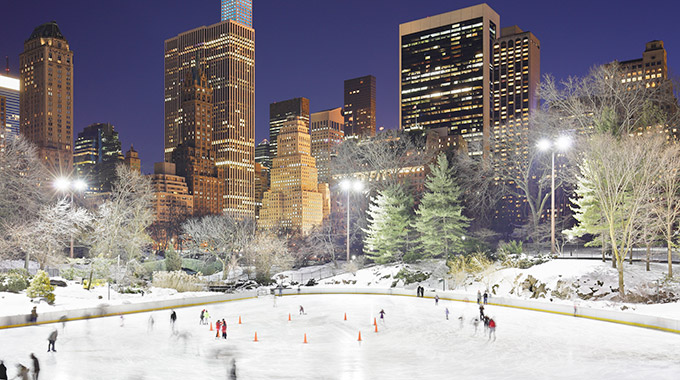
(649, 253)
(613, 260)
(604, 248)
(621, 289)
(670, 258)
(630, 260)
(28, 259)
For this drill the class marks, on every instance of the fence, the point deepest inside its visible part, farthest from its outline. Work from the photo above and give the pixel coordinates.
(52, 272)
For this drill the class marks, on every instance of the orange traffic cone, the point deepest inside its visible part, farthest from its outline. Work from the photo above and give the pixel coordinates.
(375, 323)
(239, 319)
(255, 340)
(289, 316)
(211, 329)
(305, 341)
(345, 316)
(359, 336)
(376, 328)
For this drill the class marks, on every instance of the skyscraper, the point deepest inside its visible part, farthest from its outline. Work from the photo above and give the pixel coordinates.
(359, 106)
(326, 133)
(240, 11)
(262, 154)
(281, 112)
(96, 153)
(46, 101)
(445, 76)
(226, 53)
(9, 90)
(172, 201)
(294, 200)
(194, 157)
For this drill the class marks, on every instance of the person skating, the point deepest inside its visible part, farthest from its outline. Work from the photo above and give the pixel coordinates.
(382, 315)
(3, 371)
(475, 322)
(36, 366)
(173, 319)
(461, 320)
(34, 315)
(436, 299)
(481, 312)
(22, 372)
(492, 329)
(218, 327)
(206, 315)
(52, 339)
(486, 324)
(447, 313)
(486, 297)
(224, 329)
(232, 374)
(149, 326)
(479, 297)
(302, 310)
(202, 316)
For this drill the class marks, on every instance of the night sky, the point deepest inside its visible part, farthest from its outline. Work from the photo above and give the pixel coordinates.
(304, 48)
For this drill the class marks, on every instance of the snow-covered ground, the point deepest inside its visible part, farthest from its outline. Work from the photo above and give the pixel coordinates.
(415, 342)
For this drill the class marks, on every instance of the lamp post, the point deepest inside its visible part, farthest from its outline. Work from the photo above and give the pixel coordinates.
(561, 144)
(349, 185)
(71, 186)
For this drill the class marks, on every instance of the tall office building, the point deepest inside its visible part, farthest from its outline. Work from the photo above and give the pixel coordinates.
(226, 53)
(261, 185)
(279, 113)
(262, 154)
(294, 200)
(3, 117)
(240, 11)
(326, 133)
(194, 157)
(360, 107)
(46, 101)
(445, 74)
(9, 90)
(651, 69)
(96, 153)
(172, 201)
(132, 159)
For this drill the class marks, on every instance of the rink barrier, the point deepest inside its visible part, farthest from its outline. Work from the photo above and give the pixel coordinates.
(613, 316)
(106, 310)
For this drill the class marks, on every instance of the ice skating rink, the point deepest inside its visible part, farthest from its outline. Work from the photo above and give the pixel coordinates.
(414, 342)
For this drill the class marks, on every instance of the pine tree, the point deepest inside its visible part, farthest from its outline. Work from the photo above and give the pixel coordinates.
(173, 260)
(389, 220)
(40, 287)
(439, 219)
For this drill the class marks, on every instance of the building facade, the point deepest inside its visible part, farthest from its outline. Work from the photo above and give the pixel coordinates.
(46, 98)
(326, 134)
(261, 185)
(359, 108)
(96, 153)
(445, 80)
(262, 155)
(293, 201)
(194, 157)
(172, 200)
(280, 113)
(10, 91)
(132, 159)
(226, 53)
(240, 11)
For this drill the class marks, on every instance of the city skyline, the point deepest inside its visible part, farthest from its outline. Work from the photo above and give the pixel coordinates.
(138, 114)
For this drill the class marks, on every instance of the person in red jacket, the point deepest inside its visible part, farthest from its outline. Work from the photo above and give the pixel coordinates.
(224, 329)
(492, 329)
(218, 325)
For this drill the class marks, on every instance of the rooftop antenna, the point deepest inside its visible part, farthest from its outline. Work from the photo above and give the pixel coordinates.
(7, 65)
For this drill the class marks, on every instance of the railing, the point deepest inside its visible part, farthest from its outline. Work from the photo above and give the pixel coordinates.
(52, 272)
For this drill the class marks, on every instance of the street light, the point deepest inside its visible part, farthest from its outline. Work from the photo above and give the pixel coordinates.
(349, 185)
(560, 144)
(64, 185)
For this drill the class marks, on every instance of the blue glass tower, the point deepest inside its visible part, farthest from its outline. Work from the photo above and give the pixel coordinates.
(240, 11)
(9, 88)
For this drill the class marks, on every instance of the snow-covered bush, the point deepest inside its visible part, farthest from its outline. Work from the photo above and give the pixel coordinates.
(513, 247)
(40, 287)
(178, 280)
(173, 260)
(14, 281)
(523, 261)
(410, 277)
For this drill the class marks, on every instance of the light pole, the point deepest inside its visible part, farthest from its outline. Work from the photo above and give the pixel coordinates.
(561, 144)
(65, 184)
(349, 185)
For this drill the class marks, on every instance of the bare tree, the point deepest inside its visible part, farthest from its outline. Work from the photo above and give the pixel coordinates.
(667, 203)
(268, 254)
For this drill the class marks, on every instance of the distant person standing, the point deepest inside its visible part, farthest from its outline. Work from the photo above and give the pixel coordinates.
(382, 315)
(34, 315)
(173, 319)
(3, 371)
(52, 339)
(224, 329)
(486, 297)
(447, 313)
(218, 326)
(36, 366)
(149, 327)
(436, 299)
(492, 329)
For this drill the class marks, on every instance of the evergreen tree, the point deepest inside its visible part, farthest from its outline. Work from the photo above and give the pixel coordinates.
(439, 219)
(389, 220)
(173, 260)
(41, 287)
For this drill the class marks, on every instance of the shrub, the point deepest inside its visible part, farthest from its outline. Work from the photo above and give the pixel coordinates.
(73, 273)
(523, 261)
(173, 260)
(40, 287)
(14, 281)
(411, 277)
(178, 280)
(513, 247)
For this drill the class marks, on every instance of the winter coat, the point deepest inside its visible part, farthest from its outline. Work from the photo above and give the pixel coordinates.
(492, 323)
(3, 372)
(36, 364)
(224, 327)
(218, 324)
(53, 336)
(173, 316)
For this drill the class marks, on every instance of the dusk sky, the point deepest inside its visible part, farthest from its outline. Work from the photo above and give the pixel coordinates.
(304, 48)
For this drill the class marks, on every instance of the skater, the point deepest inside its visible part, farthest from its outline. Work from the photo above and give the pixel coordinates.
(149, 327)
(22, 372)
(492, 329)
(202, 316)
(63, 320)
(173, 319)
(486, 297)
(302, 310)
(122, 320)
(34, 315)
(207, 317)
(475, 322)
(3, 371)
(382, 315)
(218, 325)
(436, 299)
(479, 297)
(461, 320)
(52, 339)
(232, 374)
(36, 367)
(447, 313)
(481, 312)
(224, 329)
(486, 324)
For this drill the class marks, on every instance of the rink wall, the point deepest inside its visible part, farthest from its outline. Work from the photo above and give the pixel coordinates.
(614, 316)
(106, 310)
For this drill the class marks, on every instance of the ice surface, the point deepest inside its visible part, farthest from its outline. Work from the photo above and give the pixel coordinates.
(415, 342)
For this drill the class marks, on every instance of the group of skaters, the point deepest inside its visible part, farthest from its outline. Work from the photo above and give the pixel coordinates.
(220, 325)
(23, 372)
(489, 323)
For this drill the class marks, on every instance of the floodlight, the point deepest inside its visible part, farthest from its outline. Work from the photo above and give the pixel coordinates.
(543, 144)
